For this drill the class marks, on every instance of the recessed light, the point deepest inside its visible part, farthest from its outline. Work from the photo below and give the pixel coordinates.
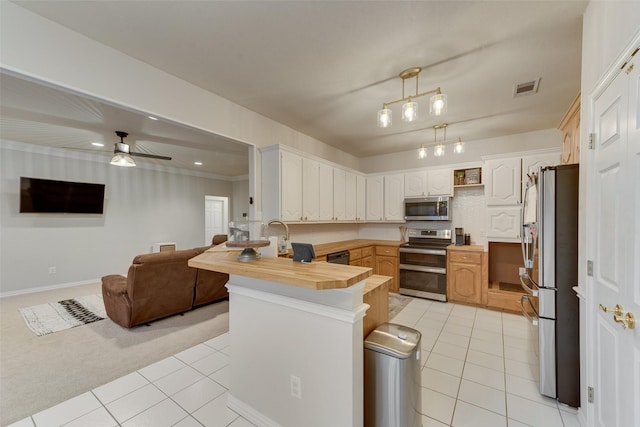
(97, 144)
(153, 118)
(197, 163)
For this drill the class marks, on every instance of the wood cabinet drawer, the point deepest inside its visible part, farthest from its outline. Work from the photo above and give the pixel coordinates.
(355, 254)
(368, 251)
(387, 251)
(466, 257)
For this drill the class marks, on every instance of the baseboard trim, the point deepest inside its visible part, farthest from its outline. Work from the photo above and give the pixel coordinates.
(48, 288)
(249, 412)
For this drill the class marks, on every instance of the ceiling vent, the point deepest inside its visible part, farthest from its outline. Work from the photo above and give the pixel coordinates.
(526, 88)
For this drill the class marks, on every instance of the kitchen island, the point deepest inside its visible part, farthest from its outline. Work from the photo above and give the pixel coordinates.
(296, 336)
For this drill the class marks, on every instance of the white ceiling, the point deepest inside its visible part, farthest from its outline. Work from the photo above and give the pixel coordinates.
(324, 68)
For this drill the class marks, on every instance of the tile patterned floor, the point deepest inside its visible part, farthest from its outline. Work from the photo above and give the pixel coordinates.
(479, 369)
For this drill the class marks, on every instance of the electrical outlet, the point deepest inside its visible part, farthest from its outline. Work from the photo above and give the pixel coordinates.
(296, 387)
(52, 270)
(522, 271)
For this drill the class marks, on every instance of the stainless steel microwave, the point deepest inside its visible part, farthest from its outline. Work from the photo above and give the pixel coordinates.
(427, 209)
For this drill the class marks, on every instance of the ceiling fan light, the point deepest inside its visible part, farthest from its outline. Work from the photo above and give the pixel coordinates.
(422, 153)
(384, 117)
(438, 104)
(438, 150)
(122, 159)
(409, 111)
(459, 147)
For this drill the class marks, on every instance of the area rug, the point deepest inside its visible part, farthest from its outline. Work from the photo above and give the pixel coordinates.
(396, 304)
(45, 319)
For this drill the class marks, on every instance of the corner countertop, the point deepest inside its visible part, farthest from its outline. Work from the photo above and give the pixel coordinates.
(328, 248)
(314, 275)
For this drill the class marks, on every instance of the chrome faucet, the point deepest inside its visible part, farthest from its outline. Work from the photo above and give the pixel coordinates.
(286, 227)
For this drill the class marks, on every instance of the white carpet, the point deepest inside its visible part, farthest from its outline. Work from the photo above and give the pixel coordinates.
(45, 319)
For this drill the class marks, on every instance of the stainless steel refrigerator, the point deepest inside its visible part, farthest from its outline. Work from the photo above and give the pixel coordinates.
(557, 314)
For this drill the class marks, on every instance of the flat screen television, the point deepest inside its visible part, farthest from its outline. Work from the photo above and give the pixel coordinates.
(50, 196)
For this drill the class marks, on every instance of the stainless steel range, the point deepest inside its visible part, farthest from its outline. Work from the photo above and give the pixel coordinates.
(423, 264)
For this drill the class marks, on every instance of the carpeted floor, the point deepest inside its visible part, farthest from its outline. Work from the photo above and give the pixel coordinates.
(37, 372)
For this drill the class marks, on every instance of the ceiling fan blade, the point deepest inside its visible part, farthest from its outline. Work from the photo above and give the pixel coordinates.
(151, 156)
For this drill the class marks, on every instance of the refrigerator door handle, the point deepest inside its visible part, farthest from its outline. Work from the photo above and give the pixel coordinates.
(533, 319)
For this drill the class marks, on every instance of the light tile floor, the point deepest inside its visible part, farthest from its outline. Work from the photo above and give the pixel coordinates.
(479, 369)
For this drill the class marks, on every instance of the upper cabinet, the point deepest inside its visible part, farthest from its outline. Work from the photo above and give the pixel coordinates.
(502, 181)
(432, 182)
(361, 198)
(375, 198)
(570, 128)
(299, 188)
(394, 197)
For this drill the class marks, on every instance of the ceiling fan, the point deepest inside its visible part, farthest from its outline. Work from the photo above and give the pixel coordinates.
(122, 153)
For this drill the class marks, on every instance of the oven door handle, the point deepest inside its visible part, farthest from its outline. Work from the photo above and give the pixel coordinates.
(423, 269)
(424, 251)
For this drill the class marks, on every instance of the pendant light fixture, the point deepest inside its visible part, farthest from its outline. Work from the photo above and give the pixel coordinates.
(437, 104)
(439, 147)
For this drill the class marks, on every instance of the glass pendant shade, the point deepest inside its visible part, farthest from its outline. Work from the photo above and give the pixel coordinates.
(422, 153)
(459, 147)
(438, 104)
(121, 159)
(438, 150)
(409, 111)
(384, 117)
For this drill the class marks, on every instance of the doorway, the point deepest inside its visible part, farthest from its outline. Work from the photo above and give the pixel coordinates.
(216, 217)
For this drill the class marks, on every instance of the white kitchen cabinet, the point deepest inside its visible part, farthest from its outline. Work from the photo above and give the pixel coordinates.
(351, 195)
(291, 189)
(375, 197)
(394, 197)
(533, 163)
(361, 198)
(325, 210)
(503, 223)
(310, 189)
(339, 195)
(502, 181)
(415, 184)
(440, 182)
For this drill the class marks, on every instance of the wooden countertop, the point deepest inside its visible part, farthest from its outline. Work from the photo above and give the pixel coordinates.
(328, 248)
(315, 275)
(468, 248)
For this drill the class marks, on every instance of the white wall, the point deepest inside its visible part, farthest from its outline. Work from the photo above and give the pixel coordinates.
(142, 206)
(240, 202)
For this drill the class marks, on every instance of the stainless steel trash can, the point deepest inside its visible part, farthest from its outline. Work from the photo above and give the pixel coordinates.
(392, 392)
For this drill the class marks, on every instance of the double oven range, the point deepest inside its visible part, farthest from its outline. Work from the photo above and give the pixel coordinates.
(423, 264)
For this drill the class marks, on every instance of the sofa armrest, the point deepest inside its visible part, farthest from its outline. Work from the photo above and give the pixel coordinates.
(114, 285)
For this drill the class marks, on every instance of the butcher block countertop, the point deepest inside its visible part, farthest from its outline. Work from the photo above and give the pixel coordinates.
(314, 275)
(328, 248)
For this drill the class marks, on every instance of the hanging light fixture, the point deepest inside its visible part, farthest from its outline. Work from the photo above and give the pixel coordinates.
(437, 105)
(458, 148)
(422, 152)
(439, 150)
(121, 156)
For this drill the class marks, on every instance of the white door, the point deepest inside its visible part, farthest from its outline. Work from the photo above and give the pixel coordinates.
(291, 186)
(325, 210)
(216, 217)
(440, 182)
(503, 223)
(310, 190)
(375, 191)
(339, 194)
(415, 184)
(612, 234)
(394, 197)
(361, 198)
(351, 194)
(502, 181)
(531, 164)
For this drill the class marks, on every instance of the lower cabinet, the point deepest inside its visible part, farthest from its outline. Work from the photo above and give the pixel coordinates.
(467, 274)
(386, 264)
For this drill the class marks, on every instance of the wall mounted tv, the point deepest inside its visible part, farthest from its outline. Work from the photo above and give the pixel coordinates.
(50, 196)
